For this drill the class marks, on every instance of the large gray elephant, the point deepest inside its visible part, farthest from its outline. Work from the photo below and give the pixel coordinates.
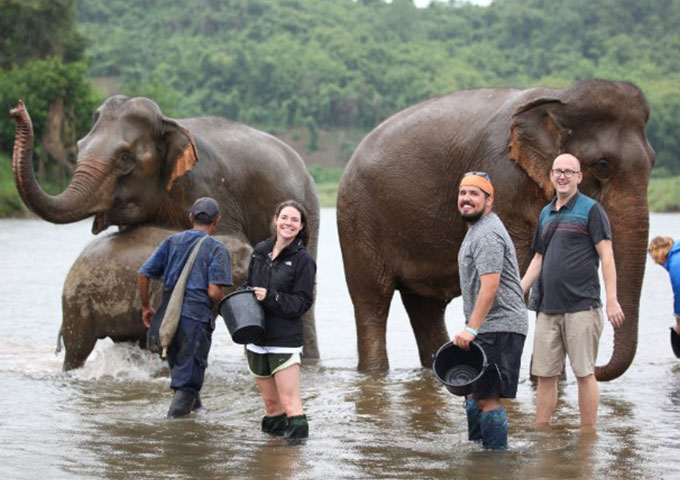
(137, 166)
(101, 298)
(398, 221)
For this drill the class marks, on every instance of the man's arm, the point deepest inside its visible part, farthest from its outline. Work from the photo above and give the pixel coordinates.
(147, 311)
(215, 292)
(614, 312)
(485, 297)
(532, 273)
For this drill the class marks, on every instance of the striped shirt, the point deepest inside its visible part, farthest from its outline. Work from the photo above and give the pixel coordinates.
(570, 264)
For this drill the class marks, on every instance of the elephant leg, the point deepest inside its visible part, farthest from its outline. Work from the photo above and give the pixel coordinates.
(371, 287)
(427, 320)
(78, 348)
(371, 321)
(311, 346)
(371, 300)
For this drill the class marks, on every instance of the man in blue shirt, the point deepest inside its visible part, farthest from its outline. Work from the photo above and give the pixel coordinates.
(666, 253)
(188, 353)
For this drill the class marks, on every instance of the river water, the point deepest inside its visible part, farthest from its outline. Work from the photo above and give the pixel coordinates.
(106, 420)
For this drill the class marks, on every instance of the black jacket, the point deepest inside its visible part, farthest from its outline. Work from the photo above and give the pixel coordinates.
(289, 280)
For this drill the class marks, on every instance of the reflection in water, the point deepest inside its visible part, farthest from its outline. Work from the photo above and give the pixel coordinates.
(107, 420)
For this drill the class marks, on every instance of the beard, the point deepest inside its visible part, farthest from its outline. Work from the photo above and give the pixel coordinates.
(472, 217)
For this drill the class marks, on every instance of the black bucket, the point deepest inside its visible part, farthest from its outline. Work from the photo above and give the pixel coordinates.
(243, 316)
(458, 369)
(675, 343)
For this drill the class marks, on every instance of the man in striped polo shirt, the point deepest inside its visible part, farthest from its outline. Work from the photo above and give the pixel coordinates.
(573, 235)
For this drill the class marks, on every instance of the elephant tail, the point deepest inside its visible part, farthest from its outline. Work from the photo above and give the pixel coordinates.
(59, 344)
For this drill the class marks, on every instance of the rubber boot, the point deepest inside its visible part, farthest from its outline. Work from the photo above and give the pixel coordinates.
(494, 427)
(474, 428)
(197, 404)
(675, 343)
(182, 404)
(275, 425)
(297, 427)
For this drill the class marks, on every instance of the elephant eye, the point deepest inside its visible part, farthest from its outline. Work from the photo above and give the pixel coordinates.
(602, 169)
(126, 162)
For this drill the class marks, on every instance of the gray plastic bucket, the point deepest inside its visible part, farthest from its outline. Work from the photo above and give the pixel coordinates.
(458, 369)
(243, 316)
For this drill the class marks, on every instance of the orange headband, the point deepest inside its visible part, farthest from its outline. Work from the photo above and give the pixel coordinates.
(477, 181)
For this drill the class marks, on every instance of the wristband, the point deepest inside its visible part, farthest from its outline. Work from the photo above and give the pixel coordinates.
(471, 330)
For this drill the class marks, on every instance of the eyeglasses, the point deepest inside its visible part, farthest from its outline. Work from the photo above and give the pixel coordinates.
(567, 173)
(478, 174)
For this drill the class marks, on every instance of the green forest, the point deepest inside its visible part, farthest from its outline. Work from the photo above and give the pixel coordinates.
(319, 74)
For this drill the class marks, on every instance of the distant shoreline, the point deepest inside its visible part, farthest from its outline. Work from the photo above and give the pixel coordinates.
(663, 193)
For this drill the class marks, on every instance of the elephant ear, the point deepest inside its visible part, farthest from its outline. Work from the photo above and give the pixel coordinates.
(536, 138)
(181, 155)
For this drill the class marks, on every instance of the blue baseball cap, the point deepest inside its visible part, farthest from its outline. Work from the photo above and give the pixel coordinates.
(205, 210)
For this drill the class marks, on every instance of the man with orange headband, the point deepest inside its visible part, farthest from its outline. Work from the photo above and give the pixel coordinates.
(493, 304)
(666, 253)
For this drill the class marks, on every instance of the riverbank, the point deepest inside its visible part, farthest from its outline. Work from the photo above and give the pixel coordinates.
(10, 203)
(663, 196)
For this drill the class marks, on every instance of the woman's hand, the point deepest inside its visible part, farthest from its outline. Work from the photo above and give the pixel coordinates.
(260, 293)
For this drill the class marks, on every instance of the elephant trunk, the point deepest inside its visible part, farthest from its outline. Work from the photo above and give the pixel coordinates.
(630, 249)
(79, 199)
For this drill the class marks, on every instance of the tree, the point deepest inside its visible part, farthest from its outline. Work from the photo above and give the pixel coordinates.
(41, 62)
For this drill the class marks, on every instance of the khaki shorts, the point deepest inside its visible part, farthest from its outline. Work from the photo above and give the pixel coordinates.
(574, 334)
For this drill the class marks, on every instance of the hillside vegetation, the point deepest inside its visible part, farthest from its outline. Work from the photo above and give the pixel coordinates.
(321, 73)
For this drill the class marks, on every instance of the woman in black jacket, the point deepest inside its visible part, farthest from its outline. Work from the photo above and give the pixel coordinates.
(281, 272)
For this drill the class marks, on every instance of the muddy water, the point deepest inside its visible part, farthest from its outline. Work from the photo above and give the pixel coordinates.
(106, 420)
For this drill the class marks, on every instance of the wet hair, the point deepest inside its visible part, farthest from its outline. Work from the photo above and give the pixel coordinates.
(659, 248)
(303, 234)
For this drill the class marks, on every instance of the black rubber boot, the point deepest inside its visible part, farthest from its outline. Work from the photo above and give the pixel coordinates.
(275, 425)
(197, 404)
(297, 427)
(182, 404)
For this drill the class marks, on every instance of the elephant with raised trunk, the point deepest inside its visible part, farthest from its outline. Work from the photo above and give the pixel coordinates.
(137, 166)
(398, 221)
(101, 298)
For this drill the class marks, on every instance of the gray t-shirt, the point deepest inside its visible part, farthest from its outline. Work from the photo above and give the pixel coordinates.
(487, 248)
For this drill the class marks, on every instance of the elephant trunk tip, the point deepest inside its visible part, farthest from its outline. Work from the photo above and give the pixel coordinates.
(611, 371)
(19, 110)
